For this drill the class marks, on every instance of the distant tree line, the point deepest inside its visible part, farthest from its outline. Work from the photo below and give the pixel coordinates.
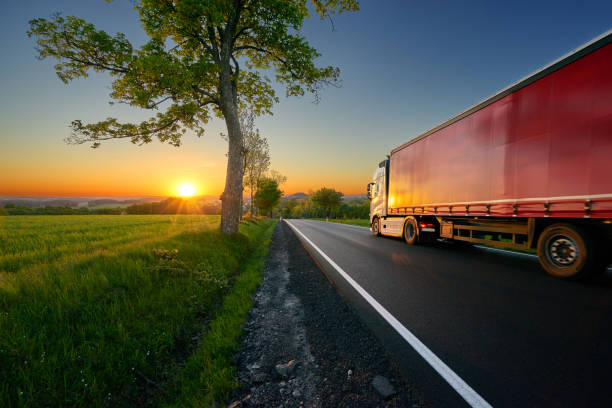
(18, 209)
(325, 203)
(174, 205)
(168, 206)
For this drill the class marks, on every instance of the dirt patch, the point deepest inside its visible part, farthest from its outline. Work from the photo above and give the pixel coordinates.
(305, 347)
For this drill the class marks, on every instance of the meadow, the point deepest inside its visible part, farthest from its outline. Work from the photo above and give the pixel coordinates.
(123, 310)
(351, 221)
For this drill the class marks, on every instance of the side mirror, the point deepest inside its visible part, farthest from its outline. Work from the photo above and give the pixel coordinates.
(369, 191)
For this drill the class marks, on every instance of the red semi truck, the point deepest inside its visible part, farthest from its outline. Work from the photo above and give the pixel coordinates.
(529, 167)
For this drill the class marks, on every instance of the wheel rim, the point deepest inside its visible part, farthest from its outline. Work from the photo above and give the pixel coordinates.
(562, 250)
(409, 230)
(375, 227)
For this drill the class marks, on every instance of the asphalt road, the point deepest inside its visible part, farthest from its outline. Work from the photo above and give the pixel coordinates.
(514, 335)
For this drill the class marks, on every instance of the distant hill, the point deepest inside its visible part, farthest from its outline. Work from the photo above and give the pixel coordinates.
(73, 202)
(110, 202)
(350, 198)
(295, 196)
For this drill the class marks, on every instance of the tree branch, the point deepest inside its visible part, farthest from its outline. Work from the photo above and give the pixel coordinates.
(156, 104)
(205, 93)
(236, 69)
(207, 102)
(271, 54)
(113, 67)
(212, 37)
(89, 133)
(97, 65)
(239, 33)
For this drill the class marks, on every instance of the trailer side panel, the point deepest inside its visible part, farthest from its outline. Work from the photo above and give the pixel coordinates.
(543, 150)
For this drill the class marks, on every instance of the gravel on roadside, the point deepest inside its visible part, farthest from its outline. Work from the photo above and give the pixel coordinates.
(304, 346)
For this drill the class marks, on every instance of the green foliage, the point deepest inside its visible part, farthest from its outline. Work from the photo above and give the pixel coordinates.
(3, 211)
(12, 209)
(268, 195)
(358, 209)
(102, 311)
(327, 199)
(307, 208)
(190, 61)
(359, 222)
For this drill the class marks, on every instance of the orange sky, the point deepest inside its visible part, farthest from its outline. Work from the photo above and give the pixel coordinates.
(34, 165)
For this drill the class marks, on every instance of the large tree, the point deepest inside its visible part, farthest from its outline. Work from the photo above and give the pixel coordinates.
(204, 57)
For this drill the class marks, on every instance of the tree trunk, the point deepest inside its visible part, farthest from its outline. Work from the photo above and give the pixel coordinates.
(228, 92)
(231, 197)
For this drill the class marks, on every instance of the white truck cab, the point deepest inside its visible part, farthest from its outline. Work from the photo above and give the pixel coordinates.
(377, 194)
(381, 223)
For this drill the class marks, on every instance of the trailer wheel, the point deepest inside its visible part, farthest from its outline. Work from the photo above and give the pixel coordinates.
(411, 231)
(375, 227)
(566, 251)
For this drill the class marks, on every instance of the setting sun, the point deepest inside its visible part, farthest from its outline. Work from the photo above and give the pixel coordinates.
(186, 190)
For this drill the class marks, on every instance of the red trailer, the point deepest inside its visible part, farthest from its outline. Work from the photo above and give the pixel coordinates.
(529, 167)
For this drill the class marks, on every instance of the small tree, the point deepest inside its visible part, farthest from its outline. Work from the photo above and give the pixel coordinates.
(203, 58)
(268, 195)
(256, 153)
(288, 210)
(327, 199)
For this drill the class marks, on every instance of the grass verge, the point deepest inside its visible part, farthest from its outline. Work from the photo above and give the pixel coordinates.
(209, 375)
(359, 222)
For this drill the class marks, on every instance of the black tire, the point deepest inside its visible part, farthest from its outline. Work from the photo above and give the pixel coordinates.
(411, 231)
(568, 251)
(375, 227)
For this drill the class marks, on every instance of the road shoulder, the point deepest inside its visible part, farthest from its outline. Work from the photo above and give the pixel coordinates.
(305, 347)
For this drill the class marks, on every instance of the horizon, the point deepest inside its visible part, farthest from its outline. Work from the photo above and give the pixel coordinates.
(416, 81)
(8, 196)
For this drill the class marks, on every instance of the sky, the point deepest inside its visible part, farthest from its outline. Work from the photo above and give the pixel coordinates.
(406, 66)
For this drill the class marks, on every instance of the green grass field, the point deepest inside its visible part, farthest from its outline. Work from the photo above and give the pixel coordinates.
(123, 310)
(359, 222)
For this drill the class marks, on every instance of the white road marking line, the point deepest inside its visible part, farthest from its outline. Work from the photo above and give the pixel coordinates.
(462, 388)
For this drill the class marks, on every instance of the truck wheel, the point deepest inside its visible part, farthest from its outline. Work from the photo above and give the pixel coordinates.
(376, 227)
(411, 231)
(566, 251)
